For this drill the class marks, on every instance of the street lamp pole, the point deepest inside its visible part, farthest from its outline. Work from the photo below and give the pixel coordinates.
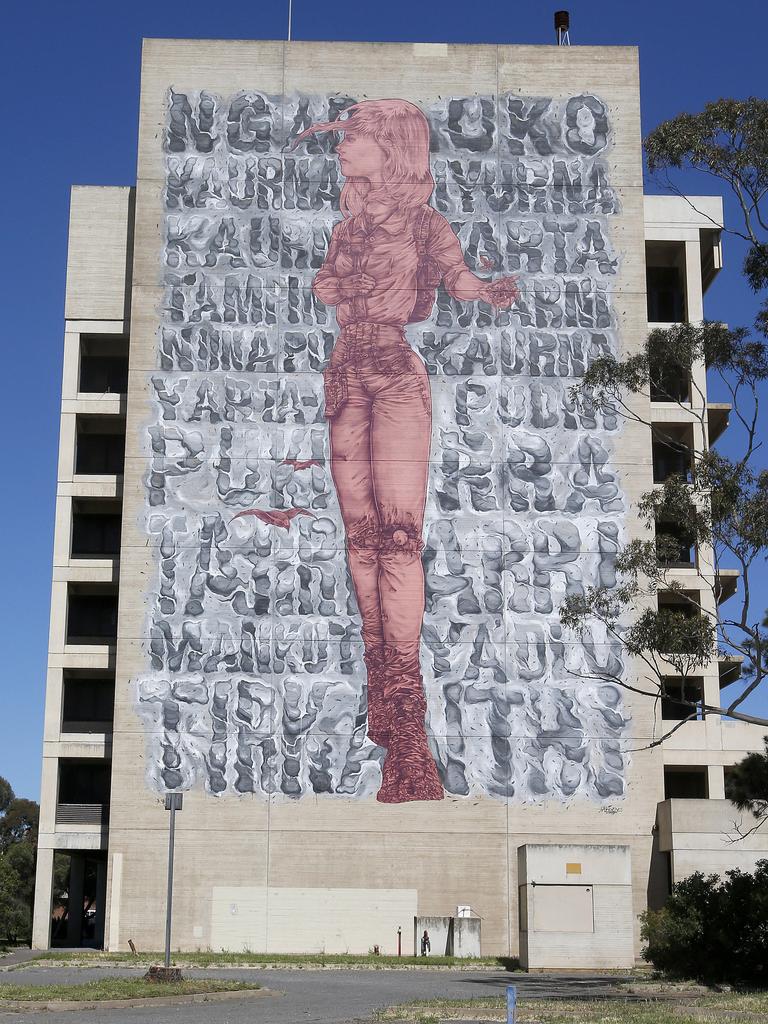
(173, 803)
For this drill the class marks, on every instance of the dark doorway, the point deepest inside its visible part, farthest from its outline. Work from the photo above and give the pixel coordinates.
(79, 899)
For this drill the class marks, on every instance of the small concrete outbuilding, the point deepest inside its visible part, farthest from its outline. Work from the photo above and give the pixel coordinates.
(575, 906)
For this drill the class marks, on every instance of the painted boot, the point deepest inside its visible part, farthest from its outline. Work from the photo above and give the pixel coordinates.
(378, 719)
(410, 772)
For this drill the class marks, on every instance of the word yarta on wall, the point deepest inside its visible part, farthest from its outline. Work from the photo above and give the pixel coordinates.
(255, 680)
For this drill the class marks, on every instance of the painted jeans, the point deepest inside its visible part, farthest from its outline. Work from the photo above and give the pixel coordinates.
(380, 432)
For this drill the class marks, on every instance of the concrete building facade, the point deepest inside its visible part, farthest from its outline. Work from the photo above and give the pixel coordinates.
(210, 632)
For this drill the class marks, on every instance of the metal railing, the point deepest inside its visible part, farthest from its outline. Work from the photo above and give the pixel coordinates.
(82, 814)
(97, 728)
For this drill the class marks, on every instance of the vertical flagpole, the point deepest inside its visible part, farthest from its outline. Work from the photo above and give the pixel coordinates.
(290, 14)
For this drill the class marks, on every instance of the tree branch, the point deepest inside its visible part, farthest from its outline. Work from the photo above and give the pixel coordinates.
(673, 188)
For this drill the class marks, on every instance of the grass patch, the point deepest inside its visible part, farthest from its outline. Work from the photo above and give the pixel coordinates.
(118, 988)
(542, 1011)
(257, 959)
(745, 1002)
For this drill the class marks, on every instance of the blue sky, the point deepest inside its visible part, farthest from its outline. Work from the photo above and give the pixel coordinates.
(69, 77)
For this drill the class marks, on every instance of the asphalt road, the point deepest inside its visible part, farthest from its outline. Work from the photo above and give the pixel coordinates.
(305, 996)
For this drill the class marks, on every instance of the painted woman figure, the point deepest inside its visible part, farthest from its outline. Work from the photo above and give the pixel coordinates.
(386, 257)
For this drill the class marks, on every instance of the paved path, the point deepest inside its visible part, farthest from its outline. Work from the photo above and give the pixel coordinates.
(306, 996)
(18, 956)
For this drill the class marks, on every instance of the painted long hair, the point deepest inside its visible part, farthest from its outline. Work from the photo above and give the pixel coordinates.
(402, 131)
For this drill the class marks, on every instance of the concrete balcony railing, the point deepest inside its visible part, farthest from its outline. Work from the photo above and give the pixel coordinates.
(703, 835)
(86, 727)
(82, 814)
(730, 741)
(710, 818)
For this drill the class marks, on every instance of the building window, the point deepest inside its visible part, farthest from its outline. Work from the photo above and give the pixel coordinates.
(682, 602)
(670, 384)
(91, 616)
(88, 703)
(683, 698)
(672, 450)
(103, 364)
(665, 282)
(84, 782)
(685, 783)
(100, 445)
(666, 296)
(680, 608)
(674, 546)
(95, 528)
(728, 779)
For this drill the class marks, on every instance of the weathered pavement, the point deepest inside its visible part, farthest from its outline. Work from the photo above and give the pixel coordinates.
(306, 996)
(18, 956)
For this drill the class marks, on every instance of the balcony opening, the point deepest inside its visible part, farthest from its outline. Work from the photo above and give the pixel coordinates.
(685, 783)
(682, 607)
(665, 282)
(672, 448)
(684, 602)
(91, 614)
(103, 364)
(95, 528)
(88, 702)
(670, 384)
(100, 445)
(729, 669)
(674, 546)
(731, 792)
(669, 871)
(79, 899)
(83, 791)
(683, 698)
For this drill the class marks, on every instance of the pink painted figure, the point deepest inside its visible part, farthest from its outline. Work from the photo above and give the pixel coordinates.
(386, 257)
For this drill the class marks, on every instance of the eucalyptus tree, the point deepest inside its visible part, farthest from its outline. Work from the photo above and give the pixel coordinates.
(721, 504)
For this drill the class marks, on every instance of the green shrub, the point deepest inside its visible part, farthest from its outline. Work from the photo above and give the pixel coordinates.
(14, 916)
(713, 930)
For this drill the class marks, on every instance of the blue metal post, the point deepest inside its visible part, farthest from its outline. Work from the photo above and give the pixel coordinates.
(511, 1003)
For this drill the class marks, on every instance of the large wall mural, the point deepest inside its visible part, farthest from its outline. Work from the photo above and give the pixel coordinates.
(368, 487)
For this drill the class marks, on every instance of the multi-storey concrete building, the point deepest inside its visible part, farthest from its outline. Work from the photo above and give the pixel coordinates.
(205, 628)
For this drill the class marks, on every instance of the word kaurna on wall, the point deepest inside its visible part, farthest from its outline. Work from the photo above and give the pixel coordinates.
(367, 484)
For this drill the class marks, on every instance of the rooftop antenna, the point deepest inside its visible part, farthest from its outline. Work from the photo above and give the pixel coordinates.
(562, 24)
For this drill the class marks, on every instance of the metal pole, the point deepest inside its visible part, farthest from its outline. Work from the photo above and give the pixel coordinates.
(169, 896)
(171, 804)
(290, 15)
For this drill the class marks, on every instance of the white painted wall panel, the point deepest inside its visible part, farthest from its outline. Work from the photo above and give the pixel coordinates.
(302, 920)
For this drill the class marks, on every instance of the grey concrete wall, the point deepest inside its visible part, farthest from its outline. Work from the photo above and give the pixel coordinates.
(440, 930)
(467, 936)
(100, 253)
